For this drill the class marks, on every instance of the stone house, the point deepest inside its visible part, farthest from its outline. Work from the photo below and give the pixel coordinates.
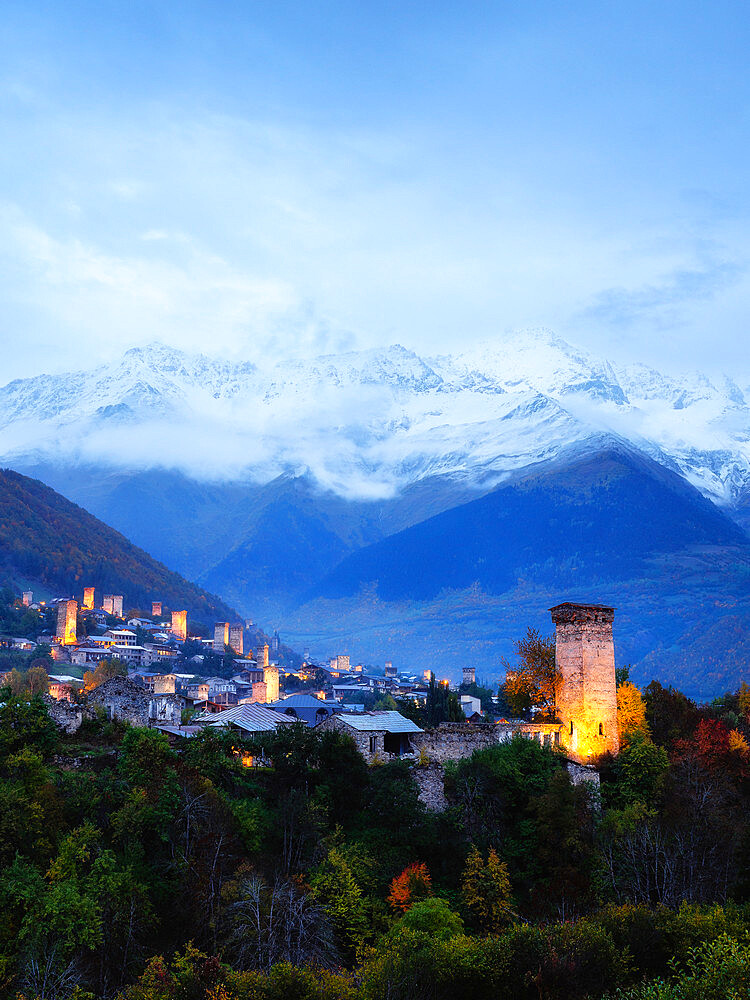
(377, 735)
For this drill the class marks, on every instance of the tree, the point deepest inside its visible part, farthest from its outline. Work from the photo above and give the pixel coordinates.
(335, 885)
(530, 683)
(277, 922)
(485, 887)
(442, 704)
(670, 714)
(412, 884)
(104, 671)
(631, 712)
(432, 916)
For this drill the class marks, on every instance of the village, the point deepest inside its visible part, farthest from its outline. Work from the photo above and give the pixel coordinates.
(143, 671)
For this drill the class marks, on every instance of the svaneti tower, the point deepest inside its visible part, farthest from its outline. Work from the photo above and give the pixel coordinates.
(585, 692)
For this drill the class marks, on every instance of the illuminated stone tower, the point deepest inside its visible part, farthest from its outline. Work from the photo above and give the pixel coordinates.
(469, 675)
(28, 598)
(271, 678)
(156, 609)
(585, 695)
(221, 637)
(88, 597)
(112, 604)
(236, 639)
(67, 619)
(179, 624)
(261, 656)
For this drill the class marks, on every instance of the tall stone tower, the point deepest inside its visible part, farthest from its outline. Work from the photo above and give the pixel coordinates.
(237, 639)
(585, 695)
(271, 678)
(112, 604)
(179, 624)
(28, 598)
(221, 637)
(156, 609)
(88, 597)
(67, 621)
(469, 675)
(261, 655)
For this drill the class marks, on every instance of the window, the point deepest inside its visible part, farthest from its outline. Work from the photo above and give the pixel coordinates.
(373, 744)
(571, 727)
(601, 729)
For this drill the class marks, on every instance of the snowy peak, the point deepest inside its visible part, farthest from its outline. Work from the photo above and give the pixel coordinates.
(370, 423)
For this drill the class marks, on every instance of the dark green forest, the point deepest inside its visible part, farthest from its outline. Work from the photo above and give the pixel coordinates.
(47, 541)
(144, 871)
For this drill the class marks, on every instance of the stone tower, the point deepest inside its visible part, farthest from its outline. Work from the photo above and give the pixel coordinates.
(88, 597)
(67, 621)
(585, 695)
(469, 675)
(237, 639)
(261, 656)
(156, 609)
(221, 637)
(179, 624)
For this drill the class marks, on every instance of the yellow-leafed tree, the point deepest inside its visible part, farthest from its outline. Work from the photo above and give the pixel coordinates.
(631, 712)
(485, 887)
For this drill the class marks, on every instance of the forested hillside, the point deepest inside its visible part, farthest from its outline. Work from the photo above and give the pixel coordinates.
(137, 870)
(46, 541)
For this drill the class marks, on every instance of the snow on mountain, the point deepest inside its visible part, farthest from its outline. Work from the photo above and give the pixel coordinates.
(368, 423)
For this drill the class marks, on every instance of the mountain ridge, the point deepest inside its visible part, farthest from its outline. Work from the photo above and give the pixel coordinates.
(368, 424)
(47, 541)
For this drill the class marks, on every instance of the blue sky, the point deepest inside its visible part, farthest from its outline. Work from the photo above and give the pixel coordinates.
(255, 178)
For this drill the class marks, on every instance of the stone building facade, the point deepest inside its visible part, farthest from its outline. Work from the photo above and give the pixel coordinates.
(585, 695)
(179, 624)
(121, 699)
(236, 639)
(88, 597)
(67, 622)
(221, 637)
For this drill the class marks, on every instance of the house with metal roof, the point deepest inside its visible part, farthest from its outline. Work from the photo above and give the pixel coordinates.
(306, 708)
(378, 735)
(248, 718)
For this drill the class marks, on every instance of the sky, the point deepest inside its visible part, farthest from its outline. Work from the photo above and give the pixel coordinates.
(269, 179)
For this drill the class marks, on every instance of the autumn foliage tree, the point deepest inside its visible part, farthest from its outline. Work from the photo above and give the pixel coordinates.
(631, 712)
(412, 884)
(530, 682)
(486, 892)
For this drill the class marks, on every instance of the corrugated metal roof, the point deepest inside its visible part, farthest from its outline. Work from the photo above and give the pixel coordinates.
(390, 722)
(252, 718)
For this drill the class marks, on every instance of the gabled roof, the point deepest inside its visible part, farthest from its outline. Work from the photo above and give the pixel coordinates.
(302, 701)
(390, 722)
(250, 718)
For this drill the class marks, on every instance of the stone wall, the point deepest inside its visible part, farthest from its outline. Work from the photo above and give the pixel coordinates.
(66, 715)
(454, 740)
(166, 709)
(122, 699)
(580, 773)
(430, 780)
(370, 744)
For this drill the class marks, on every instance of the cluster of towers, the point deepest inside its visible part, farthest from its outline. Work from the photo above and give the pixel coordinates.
(225, 635)
(66, 630)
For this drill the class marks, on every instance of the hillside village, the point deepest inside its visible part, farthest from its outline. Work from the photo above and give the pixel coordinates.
(145, 671)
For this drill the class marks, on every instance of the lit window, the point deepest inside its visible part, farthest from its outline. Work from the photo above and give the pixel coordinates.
(601, 729)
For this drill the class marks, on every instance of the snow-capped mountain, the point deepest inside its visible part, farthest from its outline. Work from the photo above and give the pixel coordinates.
(369, 423)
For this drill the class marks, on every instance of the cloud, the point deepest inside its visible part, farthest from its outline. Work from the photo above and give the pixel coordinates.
(664, 303)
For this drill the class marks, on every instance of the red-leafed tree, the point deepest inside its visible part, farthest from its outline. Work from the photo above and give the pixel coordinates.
(412, 884)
